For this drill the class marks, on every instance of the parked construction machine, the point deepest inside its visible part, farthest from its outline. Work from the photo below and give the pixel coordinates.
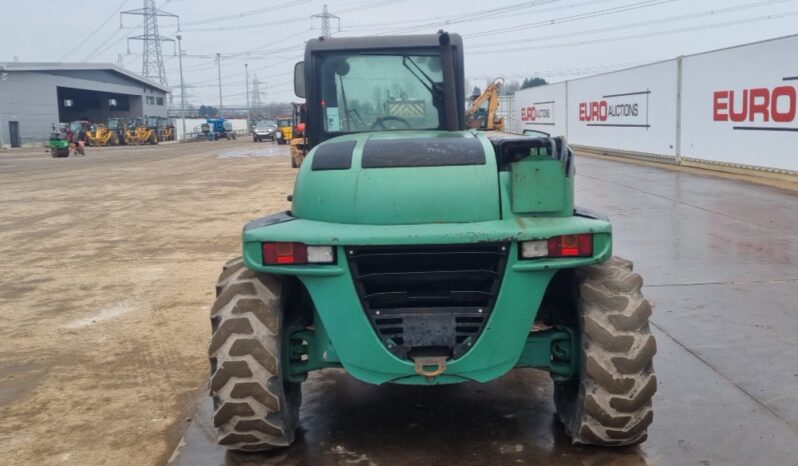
(299, 143)
(118, 125)
(147, 131)
(58, 142)
(218, 128)
(101, 135)
(164, 128)
(285, 130)
(80, 130)
(482, 114)
(131, 132)
(417, 251)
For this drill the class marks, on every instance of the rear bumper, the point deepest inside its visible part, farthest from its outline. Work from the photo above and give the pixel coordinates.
(350, 332)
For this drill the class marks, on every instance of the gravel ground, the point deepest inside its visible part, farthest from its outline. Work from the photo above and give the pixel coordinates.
(109, 263)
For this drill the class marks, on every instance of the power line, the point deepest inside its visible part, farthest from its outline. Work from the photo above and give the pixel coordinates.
(245, 14)
(95, 31)
(657, 21)
(573, 71)
(644, 35)
(478, 15)
(489, 14)
(256, 51)
(576, 17)
(105, 45)
(295, 19)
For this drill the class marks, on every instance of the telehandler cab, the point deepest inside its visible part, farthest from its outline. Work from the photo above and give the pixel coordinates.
(419, 252)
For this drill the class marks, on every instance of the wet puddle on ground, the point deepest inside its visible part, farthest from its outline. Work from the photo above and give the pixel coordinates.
(267, 151)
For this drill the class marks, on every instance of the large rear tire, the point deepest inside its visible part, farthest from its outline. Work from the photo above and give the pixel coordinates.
(610, 403)
(255, 408)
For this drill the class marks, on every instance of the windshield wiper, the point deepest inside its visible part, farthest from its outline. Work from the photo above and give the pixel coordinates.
(435, 88)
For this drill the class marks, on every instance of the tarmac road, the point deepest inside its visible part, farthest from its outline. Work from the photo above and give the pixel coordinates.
(720, 259)
(108, 265)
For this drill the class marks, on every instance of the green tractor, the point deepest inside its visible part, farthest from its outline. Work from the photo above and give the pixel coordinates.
(419, 252)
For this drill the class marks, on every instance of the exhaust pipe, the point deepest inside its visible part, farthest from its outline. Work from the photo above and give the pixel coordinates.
(449, 87)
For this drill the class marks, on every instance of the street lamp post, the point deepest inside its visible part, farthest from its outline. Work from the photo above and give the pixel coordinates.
(219, 65)
(246, 84)
(182, 87)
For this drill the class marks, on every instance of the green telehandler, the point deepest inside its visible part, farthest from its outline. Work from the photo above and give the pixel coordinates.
(417, 251)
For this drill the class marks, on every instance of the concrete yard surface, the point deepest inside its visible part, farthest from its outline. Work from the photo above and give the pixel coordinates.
(109, 263)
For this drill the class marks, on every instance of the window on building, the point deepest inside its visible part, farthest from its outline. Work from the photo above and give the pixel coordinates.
(150, 100)
(119, 103)
(159, 101)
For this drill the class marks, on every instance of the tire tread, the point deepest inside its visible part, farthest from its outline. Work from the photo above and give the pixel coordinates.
(611, 404)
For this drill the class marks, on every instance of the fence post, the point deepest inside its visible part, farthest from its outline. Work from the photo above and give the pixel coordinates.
(566, 110)
(678, 110)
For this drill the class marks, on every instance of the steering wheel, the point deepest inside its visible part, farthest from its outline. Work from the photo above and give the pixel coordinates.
(380, 122)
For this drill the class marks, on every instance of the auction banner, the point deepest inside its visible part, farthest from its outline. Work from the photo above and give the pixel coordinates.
(740, 105)
(541, 108)
(633, 110)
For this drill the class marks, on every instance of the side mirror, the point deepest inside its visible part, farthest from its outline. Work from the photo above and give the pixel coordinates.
(299, 79)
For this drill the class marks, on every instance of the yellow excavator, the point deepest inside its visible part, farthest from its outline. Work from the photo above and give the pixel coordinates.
(482, 112)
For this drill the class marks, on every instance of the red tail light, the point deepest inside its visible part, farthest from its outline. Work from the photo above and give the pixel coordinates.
(285, 253)
(571, 245)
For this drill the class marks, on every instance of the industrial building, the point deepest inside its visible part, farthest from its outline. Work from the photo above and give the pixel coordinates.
(34, 96)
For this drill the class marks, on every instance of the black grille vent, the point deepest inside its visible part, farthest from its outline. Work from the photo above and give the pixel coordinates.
(428, 297)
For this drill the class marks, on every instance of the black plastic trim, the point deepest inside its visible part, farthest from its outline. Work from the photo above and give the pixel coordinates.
(333, 156)
(269, 220)
(426, 152)
(590, 213)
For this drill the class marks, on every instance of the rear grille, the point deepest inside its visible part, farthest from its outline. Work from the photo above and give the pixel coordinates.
(428, 297)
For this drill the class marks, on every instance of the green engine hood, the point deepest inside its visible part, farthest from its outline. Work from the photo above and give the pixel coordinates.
(399, 178)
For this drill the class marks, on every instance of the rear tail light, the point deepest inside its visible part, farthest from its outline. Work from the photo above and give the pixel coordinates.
(580, 245)
(571, 246)
(284, 253)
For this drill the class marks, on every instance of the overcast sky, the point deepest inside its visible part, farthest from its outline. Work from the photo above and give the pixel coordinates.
(555, 39)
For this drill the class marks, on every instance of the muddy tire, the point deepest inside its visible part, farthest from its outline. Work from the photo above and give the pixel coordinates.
(255, 409)
(610, 404)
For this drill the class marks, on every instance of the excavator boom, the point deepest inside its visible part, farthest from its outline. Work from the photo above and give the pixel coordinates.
(486, 119)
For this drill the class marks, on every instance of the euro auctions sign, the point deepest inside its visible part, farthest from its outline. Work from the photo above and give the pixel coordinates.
(628, 109)
(772, 108)
(539, 113)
